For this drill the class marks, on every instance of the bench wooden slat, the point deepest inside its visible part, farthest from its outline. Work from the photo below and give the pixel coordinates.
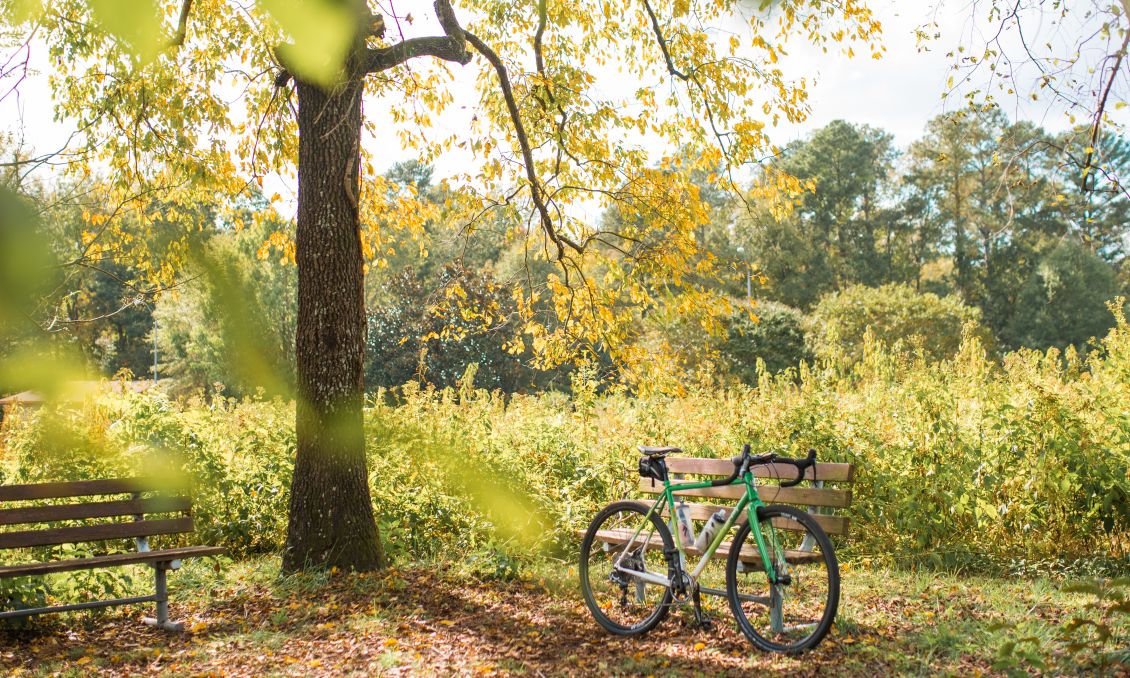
(749, 554)
(111, 560)
(843, 473)
(770, 494)
(70, 535)
(831, 524)
(93, 509)
(80, 488)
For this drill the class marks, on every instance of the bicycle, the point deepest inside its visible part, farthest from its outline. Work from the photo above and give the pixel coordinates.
(783, 588)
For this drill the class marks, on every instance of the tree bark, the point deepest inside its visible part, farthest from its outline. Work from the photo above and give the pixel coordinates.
(331, 514)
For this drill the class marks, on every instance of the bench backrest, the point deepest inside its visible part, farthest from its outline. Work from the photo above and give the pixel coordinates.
(136, 507)
(813, 497)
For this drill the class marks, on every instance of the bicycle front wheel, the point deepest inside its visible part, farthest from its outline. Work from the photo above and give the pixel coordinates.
(618, 551)
(794, 613)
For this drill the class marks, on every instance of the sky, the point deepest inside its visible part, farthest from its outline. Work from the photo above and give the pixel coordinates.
(898, 93)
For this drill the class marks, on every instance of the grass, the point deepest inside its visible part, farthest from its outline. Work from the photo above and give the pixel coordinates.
(244, 619)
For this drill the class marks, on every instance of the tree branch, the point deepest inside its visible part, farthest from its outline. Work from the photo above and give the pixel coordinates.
(663, 42)
(450, 47)
(442, 48)
(539, 60)
(559, 239)
(1088, 158)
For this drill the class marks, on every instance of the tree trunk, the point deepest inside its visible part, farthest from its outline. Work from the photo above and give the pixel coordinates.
(331, 515)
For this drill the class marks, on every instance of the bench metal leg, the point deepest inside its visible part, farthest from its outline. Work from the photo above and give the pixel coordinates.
(776, 618)
(162, 598)
(808, 543)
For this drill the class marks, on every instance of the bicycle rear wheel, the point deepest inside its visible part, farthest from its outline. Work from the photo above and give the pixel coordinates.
(795, 614)
(620, 602)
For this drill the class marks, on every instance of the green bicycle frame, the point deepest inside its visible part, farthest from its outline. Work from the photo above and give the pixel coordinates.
(749, 502)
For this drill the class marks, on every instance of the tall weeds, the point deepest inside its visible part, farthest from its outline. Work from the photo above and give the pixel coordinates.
(971, 462)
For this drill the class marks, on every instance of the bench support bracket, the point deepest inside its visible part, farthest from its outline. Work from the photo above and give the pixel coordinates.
(15, 614)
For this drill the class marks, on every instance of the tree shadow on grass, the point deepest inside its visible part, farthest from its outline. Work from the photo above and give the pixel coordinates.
(412, 622)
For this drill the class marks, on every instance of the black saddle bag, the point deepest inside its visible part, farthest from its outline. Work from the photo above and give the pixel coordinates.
(654, 468)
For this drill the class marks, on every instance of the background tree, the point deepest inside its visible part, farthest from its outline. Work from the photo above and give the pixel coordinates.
(430, 332)
(1063, 302)
(848, 166)
(842, 228)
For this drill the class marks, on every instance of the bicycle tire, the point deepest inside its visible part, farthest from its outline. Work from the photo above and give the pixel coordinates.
(663, 606)
(826, 555)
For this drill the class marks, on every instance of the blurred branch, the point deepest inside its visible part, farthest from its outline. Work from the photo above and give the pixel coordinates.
(182, 24)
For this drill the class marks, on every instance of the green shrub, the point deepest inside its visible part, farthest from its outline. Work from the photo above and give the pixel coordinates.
(776, 337)
(893, 313)
(1092, 641)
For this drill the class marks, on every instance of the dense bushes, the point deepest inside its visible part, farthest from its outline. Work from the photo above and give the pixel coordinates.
(892, 312)
(964, 462)
(776, 337)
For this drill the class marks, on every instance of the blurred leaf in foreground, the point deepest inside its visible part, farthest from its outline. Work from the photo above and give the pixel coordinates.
(252, 361)
(30, 359)
(26, 263)
(322, 32)
(136, 23)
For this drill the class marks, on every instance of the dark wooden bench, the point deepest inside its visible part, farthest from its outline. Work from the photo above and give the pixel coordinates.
(816, 497)
(86, 520)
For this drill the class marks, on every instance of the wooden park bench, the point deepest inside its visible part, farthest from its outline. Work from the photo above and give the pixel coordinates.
(85, 521)
(817, 498)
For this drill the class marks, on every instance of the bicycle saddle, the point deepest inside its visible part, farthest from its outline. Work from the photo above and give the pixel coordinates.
(657, 451)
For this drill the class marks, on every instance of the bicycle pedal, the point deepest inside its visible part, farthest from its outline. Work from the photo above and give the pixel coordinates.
(706, 623)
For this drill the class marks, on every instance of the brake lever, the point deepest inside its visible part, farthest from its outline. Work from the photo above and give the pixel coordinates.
(801, 467)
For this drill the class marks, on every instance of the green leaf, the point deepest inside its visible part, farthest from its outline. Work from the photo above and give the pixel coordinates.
(137, 24)
(322, 33)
